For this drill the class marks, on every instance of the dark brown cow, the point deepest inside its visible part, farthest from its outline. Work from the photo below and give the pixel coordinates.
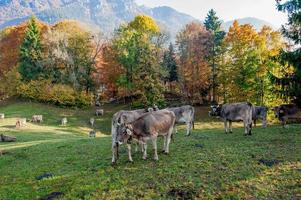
(286, 112)
(149, 126)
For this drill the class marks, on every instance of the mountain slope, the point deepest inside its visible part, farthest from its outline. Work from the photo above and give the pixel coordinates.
(107, 15)
(257, 23)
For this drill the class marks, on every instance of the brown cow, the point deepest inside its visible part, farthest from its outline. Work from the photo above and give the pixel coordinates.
(149, 126)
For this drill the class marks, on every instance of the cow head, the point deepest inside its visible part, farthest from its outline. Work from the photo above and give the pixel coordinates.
(279, 111)
(155, 107)
(125, 132)
(215, 110)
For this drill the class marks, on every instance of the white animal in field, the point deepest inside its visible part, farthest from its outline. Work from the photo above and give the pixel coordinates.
(21, 122)
(37, 118)
(2, 115)
(64, 121)
(99, 112)
(92, 120)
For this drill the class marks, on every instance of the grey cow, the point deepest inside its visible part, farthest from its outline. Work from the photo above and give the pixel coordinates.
(119, 118)
(260, 112)
(234, 112)
(148, 127)
(184, 114)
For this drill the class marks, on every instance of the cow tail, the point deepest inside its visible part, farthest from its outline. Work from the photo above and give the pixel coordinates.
(193, 113)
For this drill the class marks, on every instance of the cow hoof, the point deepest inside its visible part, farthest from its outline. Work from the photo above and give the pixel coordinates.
(113, 164)
(166, 153)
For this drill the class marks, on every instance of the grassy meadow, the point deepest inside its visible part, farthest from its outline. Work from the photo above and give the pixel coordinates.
(207, 165)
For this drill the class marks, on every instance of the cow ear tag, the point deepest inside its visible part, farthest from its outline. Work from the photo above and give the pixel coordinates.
(128, 132)
(281, 111)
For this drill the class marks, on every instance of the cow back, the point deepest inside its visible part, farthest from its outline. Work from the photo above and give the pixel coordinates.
(158, 122)
(237, 111)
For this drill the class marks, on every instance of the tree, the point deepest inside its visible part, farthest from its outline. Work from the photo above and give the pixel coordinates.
(240, 61)
(193, 46)
(291, 56)
(137, 51)
(31, 52)
(170, 64)
(213, 24)
(247, 64)
(11, 39)
(71, 55)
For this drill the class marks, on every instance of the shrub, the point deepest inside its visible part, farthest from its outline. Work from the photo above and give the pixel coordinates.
(57, 94)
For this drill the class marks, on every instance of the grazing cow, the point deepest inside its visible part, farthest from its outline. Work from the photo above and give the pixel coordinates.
(286, 112)
(119, 118)
(6, 138)
(64, 121)
(21, 122)
(184, 114)
(37, 118)
(92, 120)
(2, 115)
(149, 126)
(99, 112)
(97, 103)
(234, 112)
(92, 134)
(260, 112)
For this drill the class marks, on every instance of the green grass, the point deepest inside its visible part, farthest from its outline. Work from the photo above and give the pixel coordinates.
(207, 165)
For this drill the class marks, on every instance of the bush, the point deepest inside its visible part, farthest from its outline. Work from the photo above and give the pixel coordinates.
(57, 94)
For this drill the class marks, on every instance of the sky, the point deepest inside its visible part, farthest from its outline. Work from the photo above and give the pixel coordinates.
(226, 9)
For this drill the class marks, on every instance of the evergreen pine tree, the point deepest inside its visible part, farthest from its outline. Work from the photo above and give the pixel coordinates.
(170, 64)
(31, 52)
(213, 24)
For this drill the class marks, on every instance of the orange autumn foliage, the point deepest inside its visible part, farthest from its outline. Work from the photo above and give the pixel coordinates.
(10, 41)
(108, 72)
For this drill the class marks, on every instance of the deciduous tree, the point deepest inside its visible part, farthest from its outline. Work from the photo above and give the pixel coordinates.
(193, 45)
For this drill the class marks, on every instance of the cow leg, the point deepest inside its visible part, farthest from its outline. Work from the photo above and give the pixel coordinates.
(130, 152)
(164, 143)
(250, 128)
(154, 140)
(176, 130)
(230, 126)
(114, 153)
(255, 123)
(188, 128)
(142, 147)
(226, 126)
(136, 147)
(145, 152)
(167, 145)
(246, 126)
(264, 123)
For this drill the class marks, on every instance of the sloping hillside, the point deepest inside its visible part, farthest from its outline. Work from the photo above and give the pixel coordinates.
(49, 160)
